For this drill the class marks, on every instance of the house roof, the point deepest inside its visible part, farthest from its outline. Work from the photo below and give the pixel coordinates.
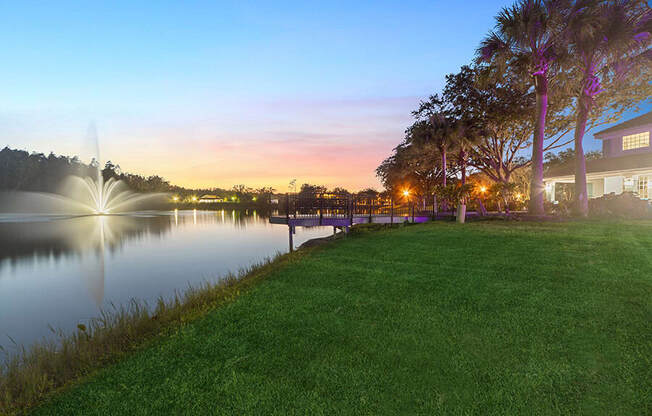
(635, 122)
(636, 161)
(208, 196)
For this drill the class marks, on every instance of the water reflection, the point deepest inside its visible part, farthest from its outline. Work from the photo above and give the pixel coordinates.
(50, 239)
(59, 270)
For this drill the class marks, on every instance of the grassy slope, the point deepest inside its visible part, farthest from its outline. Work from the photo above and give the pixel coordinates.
(482, 318)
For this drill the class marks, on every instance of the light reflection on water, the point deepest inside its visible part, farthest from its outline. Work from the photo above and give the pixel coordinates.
(60, 270)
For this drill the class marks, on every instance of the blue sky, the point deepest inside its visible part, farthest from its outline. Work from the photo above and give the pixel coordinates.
(219, 93)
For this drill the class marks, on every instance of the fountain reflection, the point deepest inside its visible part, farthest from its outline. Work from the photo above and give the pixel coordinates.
(89, 238)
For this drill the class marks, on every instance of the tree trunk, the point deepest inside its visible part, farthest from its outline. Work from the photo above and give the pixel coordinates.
(443, 166)
(462, 204)
(461, 213)
(461, 159)
(581, 203)
(444, 204)
(536, 186)
(483, 210)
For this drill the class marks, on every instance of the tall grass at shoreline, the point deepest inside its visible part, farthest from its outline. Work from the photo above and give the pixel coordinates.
(28, 376)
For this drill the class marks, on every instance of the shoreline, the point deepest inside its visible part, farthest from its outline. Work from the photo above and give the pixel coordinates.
(37, 371)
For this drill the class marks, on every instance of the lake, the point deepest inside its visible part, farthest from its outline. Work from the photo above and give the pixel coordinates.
(58, 271)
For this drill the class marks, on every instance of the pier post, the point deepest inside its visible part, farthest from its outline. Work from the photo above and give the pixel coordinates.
(287, 207)
(371, 209)
(413, 212)
(391, 211)
(351, 208)
(321, 209)
(290, 234)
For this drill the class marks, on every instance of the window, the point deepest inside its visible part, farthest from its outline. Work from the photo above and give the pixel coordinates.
(634, 141)
(643, 187)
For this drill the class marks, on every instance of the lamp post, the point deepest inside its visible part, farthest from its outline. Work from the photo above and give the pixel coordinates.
(406, 194)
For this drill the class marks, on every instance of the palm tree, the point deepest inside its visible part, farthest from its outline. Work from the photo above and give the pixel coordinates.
(607, 39)
(437, 136)
(526, 40)
(441, 133)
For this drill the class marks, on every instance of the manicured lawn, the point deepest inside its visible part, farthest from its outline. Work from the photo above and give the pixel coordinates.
(484, 318)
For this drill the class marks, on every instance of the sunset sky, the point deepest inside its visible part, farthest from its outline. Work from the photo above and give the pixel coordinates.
(222, 93)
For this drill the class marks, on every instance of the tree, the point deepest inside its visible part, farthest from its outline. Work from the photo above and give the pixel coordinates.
(243, 193)
(308, 190)
(526, 40)
(608, 40)
(416, 166)
(338, 190)
(265, 194)
(503, 192)
(369, 193)
(434, 127)
(455, 194)
(497, 110)
(567, 156)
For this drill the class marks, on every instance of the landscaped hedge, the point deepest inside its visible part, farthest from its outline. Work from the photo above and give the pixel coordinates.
(625, 205)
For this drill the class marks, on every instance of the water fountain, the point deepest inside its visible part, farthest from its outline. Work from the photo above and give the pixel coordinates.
(81, 195)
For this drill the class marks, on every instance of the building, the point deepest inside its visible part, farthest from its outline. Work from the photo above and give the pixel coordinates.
(210, 199)
(626, 165)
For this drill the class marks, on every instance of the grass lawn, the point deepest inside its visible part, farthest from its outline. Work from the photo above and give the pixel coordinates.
(481, 318)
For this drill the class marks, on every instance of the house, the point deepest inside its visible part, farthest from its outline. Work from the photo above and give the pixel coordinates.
(626, 165)
(210, 199)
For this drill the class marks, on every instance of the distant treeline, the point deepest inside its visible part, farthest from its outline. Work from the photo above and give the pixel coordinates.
(24, 171)
(36, 172)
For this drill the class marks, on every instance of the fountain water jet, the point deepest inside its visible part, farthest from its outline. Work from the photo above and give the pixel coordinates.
(83, 196)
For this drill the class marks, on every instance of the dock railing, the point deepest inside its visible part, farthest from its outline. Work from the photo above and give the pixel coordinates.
(352, 206)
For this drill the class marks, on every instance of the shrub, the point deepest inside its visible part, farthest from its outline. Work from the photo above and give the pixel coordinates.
(453, 194)
(625, 205)
(562, 208)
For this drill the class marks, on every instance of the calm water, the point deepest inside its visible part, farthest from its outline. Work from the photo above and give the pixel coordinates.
(60, 271)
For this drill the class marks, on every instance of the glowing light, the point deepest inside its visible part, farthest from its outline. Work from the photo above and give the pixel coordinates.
(175, 198)
(518, 196)
(194, 198)
(233, 198)
(406, 193)
(483, 189)
(253, 199)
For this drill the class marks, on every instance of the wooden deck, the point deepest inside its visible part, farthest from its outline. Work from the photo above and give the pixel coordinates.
(346, 211)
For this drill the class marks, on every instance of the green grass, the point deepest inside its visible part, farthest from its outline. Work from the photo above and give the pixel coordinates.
(482, 318)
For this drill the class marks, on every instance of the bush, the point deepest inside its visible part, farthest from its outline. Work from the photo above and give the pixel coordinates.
(562, 208)
(625, 205)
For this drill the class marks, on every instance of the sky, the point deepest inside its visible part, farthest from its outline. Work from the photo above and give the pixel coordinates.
(218, 93)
